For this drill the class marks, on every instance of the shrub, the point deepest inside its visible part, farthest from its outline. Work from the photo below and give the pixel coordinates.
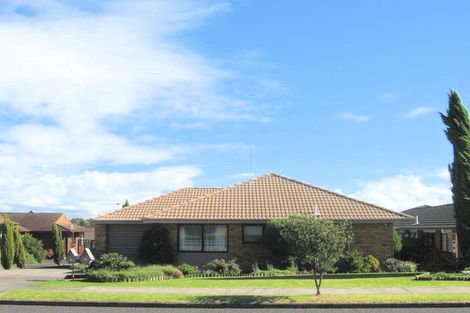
(443, 276)
(352, 262)
(113, 261)
(397, 244)
(272, 271)
(429, 258)
(145, 273)
(188, 269)
(372, 263)
(155, 246)
(34, 247)
(273, 240)
(395, 265)
(30, 259)
(222, 267)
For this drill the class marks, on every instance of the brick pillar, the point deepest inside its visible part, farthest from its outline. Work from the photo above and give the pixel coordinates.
(100, 239)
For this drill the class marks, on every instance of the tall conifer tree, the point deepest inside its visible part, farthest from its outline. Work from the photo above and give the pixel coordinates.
(20, 253)
(59, 249)
(7, 244)
(458, 133)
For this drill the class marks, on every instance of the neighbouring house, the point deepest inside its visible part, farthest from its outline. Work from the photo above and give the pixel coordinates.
(435, 225)
(39, 225)
(208, 223)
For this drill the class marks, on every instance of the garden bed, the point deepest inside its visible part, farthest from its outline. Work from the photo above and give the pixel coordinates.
(444, 276)
(134, 274)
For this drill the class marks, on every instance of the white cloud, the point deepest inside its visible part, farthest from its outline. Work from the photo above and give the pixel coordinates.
(354, 117)
(92, 192)
(387, 97)
(70, 77)
(403, 192)
(419, 111)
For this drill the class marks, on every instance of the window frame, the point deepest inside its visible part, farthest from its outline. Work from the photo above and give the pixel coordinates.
(263, 226)
(203, 245)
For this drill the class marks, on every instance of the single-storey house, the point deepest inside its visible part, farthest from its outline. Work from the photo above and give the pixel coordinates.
(435, 225)
(208, 223)
(39, 225)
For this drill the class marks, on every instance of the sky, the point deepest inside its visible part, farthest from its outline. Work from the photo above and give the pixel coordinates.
(106, 100)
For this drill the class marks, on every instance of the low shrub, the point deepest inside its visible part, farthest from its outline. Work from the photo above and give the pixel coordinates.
(353, 262)
(113, 262)
(395, 265)
(30, 259)
(34, 248)
(443, 276)
(145, 273)
(188, 269)
(372, 263)
(272, 271)
(222, 267)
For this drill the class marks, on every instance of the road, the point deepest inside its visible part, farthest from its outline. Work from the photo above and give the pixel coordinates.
(48, 309)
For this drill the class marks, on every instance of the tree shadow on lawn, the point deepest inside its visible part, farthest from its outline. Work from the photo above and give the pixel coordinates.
(241, 299)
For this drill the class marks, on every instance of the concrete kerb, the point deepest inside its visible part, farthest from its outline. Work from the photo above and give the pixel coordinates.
(234, 305)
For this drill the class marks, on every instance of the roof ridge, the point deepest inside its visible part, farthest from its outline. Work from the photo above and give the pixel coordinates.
(130, 207)
(221, 189)
(338, 194)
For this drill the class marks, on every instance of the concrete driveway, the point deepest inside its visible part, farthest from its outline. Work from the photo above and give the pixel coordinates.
(22, 278)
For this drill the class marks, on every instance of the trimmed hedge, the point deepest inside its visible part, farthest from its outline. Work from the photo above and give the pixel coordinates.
(145, 273)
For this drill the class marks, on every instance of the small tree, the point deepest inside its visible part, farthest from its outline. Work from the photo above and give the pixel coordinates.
(397, 244)
(126, 204)
(20, 254)
(34, 247)
(316, 244)
(155, 246)
(7, 244)
(59, 250)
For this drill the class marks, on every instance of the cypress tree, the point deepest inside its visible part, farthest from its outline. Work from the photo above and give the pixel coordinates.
(20, 253)
(458, 133)
(7, 244)
(126, 204)
(59, 250)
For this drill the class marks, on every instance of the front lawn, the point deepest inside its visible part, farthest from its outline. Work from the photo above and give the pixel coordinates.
(267, 282)
(26, 295)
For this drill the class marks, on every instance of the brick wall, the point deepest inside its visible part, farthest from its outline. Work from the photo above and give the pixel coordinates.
(100, 240)
(374, 239)
(245, 253)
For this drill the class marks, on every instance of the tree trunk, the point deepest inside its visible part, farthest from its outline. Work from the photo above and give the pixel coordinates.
(318, 281)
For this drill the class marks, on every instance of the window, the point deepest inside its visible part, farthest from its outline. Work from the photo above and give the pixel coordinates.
(203, 238)
(190, 238)
(215, 238)
(252, 233)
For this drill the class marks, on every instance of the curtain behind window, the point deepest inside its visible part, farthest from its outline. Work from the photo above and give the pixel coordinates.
(215, 238)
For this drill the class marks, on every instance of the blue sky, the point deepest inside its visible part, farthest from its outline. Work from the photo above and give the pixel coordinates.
(106, 100)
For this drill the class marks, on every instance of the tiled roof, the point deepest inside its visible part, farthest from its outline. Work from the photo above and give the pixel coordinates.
(441, 216)
(273, 196)
(139, 210)
(34, 221)
(20, 228)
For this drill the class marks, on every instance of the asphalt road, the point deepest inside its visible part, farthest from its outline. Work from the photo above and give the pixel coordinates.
(52, 309)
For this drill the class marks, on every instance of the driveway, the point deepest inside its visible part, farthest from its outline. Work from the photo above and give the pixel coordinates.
(22, 278)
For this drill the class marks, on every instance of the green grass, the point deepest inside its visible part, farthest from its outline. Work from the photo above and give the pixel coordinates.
(231, 299)
(267, 282)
